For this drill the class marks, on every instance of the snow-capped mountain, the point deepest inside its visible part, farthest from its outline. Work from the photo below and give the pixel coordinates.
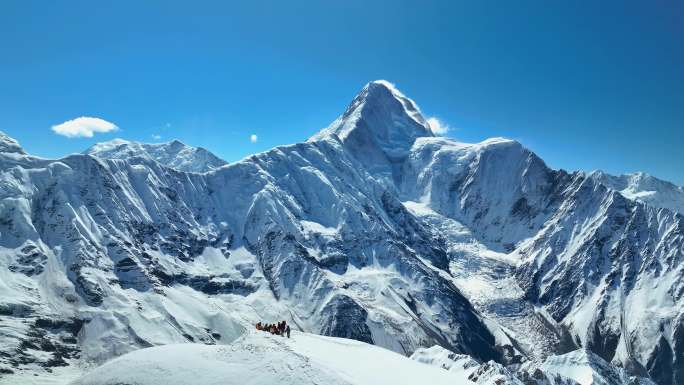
(174, 154)
(9, 145)
(608, 270)
(644, 188)
(580, 367)
(374, 230)
(584, 367)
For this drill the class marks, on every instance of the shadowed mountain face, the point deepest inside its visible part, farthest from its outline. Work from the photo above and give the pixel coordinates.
(370, 230)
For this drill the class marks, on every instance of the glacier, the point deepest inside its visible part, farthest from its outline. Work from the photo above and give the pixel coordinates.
(375, 229)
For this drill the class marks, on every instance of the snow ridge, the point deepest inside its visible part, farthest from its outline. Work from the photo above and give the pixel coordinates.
(9, 145)
(174, 154)
(260, 358)
(644, 188)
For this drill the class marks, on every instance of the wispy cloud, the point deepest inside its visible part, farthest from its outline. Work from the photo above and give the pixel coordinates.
(253, 138)
(437, 127)
(156, 136)
(83, 127)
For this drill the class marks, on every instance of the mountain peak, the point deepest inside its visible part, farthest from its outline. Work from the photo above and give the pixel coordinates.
(383, 88)
(8, 144)
(380, 114)
(174, 154)
(645, 188)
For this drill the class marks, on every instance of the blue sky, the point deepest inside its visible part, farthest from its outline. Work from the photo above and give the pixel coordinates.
(585, 84)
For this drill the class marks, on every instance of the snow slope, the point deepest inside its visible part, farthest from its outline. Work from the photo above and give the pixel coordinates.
(609, 272)
(173, 154)
(260, 358)
(587, 368)
(578, 367)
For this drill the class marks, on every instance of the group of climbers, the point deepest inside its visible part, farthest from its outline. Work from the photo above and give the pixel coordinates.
(280, 328)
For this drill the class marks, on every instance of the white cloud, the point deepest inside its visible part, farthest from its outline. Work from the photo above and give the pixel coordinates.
(84, 127)
(253, 138)
(156, 136)
(437, 127)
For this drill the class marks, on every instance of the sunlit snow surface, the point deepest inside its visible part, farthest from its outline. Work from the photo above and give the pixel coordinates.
(645, 188)
(173, 154)
(579, 367)
(259, 358)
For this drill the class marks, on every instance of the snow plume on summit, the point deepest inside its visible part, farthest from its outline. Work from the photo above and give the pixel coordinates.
(437, 126)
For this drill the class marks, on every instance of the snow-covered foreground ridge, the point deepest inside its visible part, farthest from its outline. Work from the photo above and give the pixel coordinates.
(374, 230)
(264, 359)
(260, 358)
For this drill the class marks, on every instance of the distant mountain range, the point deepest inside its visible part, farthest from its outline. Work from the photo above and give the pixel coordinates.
(374, 229)
(173, 154)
